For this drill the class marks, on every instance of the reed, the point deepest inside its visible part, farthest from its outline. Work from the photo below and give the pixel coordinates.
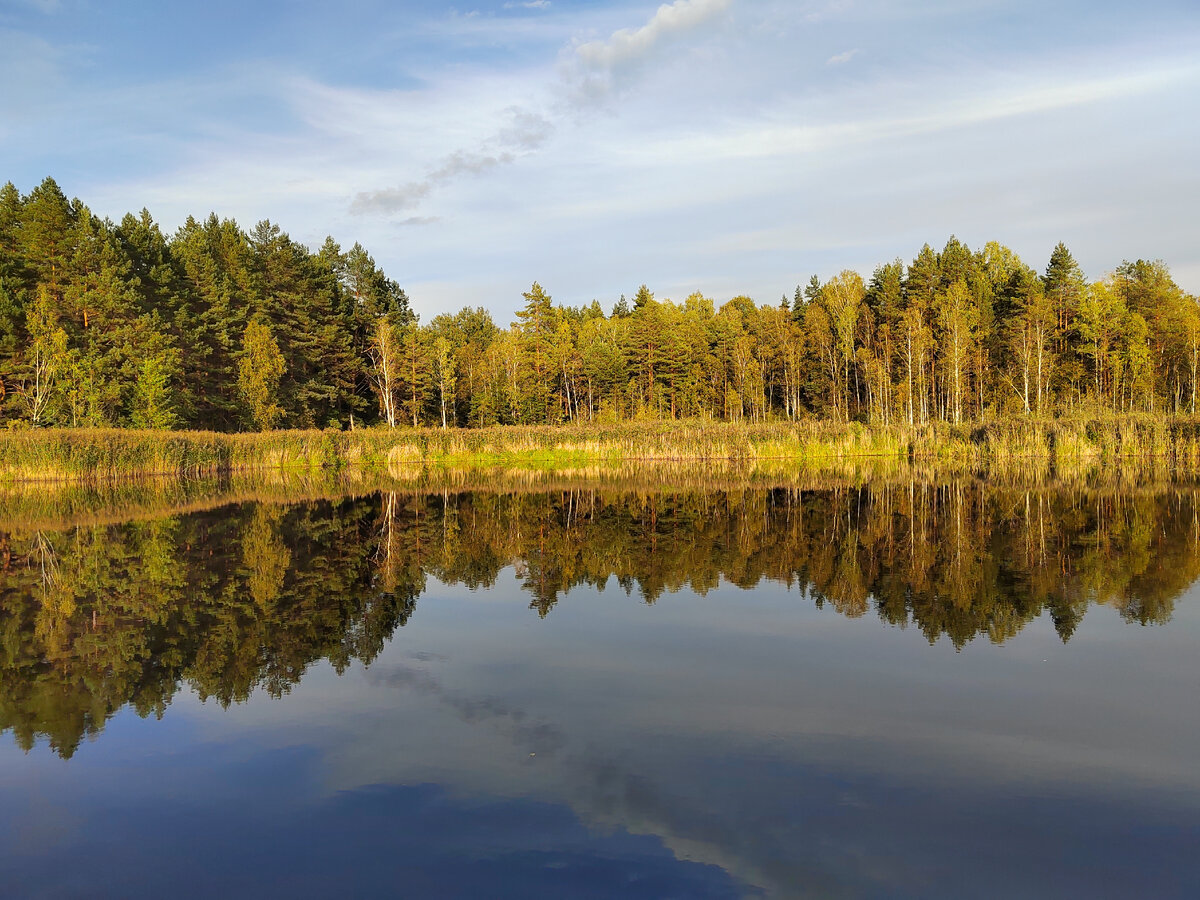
(1081, 445)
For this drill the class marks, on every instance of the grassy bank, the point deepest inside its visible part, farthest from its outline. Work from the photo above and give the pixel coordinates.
(1062, 446)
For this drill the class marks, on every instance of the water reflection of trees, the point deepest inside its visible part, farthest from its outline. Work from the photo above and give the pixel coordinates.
(959, 560)
(225, 602)
(246, 597)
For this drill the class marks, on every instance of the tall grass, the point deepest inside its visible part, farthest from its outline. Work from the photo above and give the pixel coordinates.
(1056, 446)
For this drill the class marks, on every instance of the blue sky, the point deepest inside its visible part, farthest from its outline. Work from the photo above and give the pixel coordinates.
(727, 146)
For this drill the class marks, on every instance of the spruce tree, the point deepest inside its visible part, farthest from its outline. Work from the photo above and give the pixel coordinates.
(153, 403)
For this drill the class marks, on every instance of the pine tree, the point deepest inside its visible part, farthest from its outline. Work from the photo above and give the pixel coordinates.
(12, 265)
(44, 235)
(216, 262)
(537, 326)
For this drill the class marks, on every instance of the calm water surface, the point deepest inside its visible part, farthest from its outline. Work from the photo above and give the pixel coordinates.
(906, 690)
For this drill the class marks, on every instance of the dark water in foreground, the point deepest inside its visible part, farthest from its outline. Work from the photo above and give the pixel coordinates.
(901, 691)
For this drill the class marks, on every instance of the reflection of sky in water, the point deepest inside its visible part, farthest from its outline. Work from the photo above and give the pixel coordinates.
(618, 749)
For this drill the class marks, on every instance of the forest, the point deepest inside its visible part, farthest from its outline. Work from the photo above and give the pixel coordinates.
(218, 328)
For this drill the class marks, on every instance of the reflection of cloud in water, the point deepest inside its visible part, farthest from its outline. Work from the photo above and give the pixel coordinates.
(831, 790)
(609, 794)
(514, 724)
(427, 656)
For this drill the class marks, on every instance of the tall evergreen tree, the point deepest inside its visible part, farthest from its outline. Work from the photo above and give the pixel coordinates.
(537, 326)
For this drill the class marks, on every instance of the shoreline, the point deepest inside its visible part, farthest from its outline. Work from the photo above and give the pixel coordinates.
(1078, 445)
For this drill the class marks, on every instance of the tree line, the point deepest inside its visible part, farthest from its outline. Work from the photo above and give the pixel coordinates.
(220, 328)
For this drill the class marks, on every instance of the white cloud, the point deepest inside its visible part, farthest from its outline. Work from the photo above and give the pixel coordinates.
(528, 131)
(393, 199)
(839, 58)
(525, 131)
(597, 64)
(407, 196)
(632, 43)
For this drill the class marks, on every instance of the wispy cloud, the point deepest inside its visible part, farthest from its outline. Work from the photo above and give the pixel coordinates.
(407, 196)
(844, 57)
(966, 107)
(525, 133)
(632, 43)
(393, 199)
(598, 65)
(531, 4)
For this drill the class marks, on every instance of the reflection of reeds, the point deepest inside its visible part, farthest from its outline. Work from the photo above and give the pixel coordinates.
(26, 508)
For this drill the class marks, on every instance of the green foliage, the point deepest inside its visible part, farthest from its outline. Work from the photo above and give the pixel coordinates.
(46, 359)
(415, 370)
(537, 329)
(154, 394)
(259, 372)
(955, 335)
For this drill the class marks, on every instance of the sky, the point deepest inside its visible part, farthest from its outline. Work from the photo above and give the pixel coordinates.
(723, 146)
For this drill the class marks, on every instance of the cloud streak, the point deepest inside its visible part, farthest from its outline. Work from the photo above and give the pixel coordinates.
(631, 44)
(597, 67)
(597, 64)
(526, 132)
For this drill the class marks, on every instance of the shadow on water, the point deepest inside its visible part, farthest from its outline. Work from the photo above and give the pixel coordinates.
(124, 595)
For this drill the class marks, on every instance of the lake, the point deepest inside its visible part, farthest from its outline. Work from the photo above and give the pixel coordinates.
(905, 688)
